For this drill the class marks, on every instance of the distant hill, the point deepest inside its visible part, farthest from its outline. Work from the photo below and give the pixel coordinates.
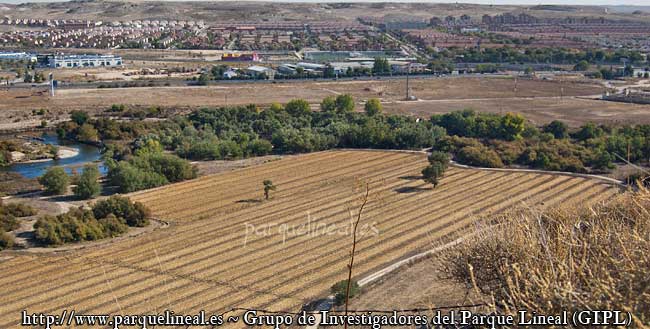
(226, 11)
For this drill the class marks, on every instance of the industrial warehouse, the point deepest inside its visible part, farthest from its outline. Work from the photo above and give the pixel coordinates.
(72, 61)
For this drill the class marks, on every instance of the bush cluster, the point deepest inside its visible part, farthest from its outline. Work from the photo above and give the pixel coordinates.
(107, 218)
(490, 140)
(148, 171)
(8, 221)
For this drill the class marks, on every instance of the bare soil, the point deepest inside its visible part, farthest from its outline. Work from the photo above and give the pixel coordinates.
(421, 285)
(546, 100)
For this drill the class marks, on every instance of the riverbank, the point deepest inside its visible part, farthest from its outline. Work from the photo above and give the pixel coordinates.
(63, 152)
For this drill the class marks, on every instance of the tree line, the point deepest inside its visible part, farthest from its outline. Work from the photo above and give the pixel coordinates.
(142, 155)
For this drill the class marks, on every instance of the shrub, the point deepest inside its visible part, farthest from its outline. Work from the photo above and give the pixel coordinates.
(76, 225)
(55, 181)
(8, 223)
(134, 213)
(452, 144)
(18, 209)
(148, 171)
(79, 117)
(479, 156)
(113, 226)
(6, 241)
(339, 290)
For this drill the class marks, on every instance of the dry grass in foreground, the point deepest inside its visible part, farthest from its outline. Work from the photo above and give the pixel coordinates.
(596, 258)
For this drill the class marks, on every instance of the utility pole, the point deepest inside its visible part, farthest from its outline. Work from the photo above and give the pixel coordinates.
(408, 89)
(51, 78)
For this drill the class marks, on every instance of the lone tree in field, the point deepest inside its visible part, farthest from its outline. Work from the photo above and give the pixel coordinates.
(55, 181)
(438, 163)
(268, 187)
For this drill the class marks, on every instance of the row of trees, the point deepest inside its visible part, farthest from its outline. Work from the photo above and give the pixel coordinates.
(537, 55)
(480, 139)
(488, 140)
(56, 182)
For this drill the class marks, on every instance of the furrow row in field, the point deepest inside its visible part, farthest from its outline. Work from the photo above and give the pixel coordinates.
(286, 186)
(217, 248)
(114, 254)
(57, 300)
(234, 222)
(218, 296)
(272, 279)
(288, 247)
(68, 277)
(366, 263)
(88, 276)
(185, 190)
(277, 165)
(418, 226)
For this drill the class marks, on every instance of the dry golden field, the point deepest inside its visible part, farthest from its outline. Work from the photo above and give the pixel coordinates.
(206, 261)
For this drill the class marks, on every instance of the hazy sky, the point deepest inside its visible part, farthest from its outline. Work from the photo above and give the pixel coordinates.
(490, 2)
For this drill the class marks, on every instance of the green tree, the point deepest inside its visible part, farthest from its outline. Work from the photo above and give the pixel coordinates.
(55, 181)
(581, 66)
(373, 107)
(268, 187)
(380, 66)
(512, 125)
(260, 147)
(438, 163)
(588, 131)
(203, 79)
(328, 104)
(79, 117)
(328, 72)
(88, 186)
(603, 161)
(344, 103)
(558, 128)
(88, 133)
(276, 107)
(297, 107)
(432, 173)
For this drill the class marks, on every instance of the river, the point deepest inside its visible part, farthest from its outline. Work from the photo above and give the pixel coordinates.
(87, 154)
